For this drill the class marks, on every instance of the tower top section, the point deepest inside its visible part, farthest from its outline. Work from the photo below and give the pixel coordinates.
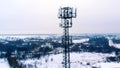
(67, 13)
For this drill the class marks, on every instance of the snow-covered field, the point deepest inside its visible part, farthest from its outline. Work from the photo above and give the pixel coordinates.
(4, 63)
(78, 60)
(113, 44)
(23, 36)
(81, 40)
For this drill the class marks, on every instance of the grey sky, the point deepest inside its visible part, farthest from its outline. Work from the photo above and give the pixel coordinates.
(40, 16)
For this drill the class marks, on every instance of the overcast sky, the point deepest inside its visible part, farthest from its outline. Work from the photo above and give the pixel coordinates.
(40, 16)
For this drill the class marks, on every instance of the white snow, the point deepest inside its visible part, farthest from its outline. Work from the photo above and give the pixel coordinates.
(117, 45)
(44, 36)
(78, 60)
(109, 65)
(4, 63)
(113, 44)
(81, 40)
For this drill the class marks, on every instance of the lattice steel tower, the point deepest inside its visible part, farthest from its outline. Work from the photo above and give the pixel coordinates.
(66, 14)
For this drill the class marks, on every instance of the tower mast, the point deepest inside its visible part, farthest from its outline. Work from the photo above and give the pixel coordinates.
(66, 14)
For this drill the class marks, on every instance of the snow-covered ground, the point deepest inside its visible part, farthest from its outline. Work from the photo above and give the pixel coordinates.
(109, 65)
(78, 60)
(81, 40)
(4, 63)
(113, 44)
(23, 36)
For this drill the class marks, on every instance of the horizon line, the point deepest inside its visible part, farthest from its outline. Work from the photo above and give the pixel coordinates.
(50, 33)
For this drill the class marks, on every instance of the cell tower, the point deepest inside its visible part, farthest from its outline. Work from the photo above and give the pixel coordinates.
(66, 14)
